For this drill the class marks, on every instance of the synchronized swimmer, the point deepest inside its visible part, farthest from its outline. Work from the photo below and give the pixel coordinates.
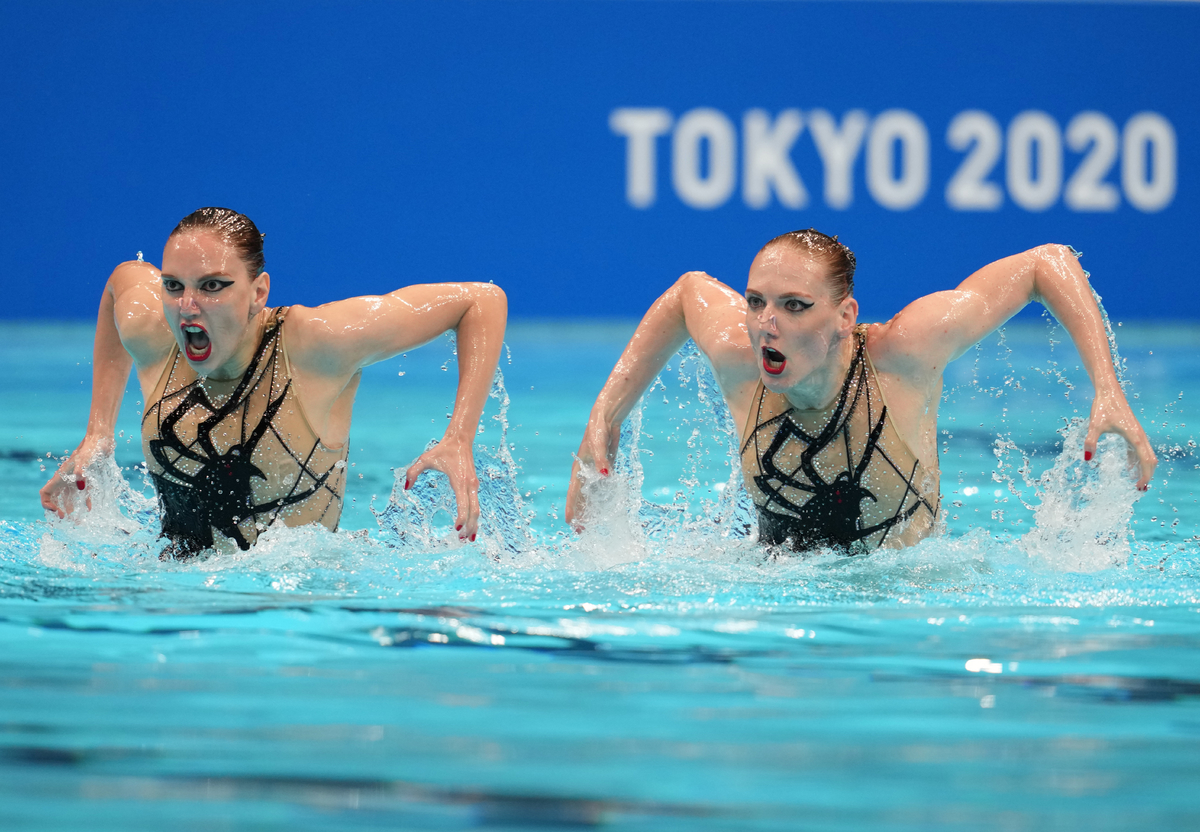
(248, 408)
(247, 415)
(838, 420)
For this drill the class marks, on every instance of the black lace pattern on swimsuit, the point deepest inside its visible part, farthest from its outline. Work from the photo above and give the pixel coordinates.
(832, 515)
(215, 492)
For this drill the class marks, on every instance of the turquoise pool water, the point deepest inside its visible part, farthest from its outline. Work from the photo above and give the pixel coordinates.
(1035, 667)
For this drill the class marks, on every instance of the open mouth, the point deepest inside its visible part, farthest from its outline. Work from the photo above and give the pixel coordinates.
(196, 342)
(773, 361)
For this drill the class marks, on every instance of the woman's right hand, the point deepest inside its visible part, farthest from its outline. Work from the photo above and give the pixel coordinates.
(598, 450)
(695, 306)
(60, 491)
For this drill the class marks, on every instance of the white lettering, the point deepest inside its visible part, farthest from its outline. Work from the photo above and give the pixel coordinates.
(640, 126)
(903, 190)
(968, 189)
(766, 160)
(711, 127)
(1086, 189)
(1148, 162)
(838, 149)
(704, 159)
(1033, 136)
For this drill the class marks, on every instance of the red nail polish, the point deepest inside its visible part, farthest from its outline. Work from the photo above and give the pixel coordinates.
(604, 471)
(1087, 455)
(80, 484)
(406, 484)
(472, 538)
(458, 528)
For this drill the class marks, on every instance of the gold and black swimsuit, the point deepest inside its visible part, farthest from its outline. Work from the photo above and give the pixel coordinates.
(839, 477)
(232, 457)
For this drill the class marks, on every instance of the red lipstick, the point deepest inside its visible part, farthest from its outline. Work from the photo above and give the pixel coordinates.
(197, 344)
(773, 361)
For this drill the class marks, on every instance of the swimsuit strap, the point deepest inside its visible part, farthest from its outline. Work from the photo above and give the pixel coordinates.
(812, 491)
(204, 483)
(280, 313)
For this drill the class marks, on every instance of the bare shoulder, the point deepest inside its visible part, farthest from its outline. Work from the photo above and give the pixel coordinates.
(133, 273)
(914, 342)
(135, 288)
(722, 297)
(699, 280)
(716, 320)
(329, 339)
(307, 333)
(310, 327)
(340, 337)
(317, 327)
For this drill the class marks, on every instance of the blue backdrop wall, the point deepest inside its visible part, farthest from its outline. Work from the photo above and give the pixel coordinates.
(583, 155)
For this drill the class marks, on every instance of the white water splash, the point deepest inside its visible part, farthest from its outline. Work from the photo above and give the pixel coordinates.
(684, 537)
(1082, 519)
(118, 517)
(422, 518)
(622, 527)
(611, 517)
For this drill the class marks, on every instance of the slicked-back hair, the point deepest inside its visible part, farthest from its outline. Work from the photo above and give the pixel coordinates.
(837, 258)
(236, 229)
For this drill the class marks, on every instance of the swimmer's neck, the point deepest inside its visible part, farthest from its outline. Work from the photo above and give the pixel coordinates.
(235, 367)
(820, 388)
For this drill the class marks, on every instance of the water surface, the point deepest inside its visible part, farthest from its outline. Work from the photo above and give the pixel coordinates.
(1033, 667)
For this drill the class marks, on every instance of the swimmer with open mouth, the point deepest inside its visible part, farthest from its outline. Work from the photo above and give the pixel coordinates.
(773, 361)
(198, 346)
(798, 372)
(248, 407)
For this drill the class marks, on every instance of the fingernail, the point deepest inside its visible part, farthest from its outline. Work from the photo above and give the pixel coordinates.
(1087, 455)
(604, 471)
(406, 484)
(1145, 487)
(458, 528)
(472, 538)
(80, 484)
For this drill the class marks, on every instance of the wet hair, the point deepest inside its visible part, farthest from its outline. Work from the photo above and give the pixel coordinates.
(838, 259)
(235, 229)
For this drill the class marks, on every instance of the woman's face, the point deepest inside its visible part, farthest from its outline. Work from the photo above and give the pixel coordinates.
(210, 301)
(793, 321)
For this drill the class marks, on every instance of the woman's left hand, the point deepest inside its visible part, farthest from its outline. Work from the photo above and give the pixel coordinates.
(1111, 414)
(455, 459)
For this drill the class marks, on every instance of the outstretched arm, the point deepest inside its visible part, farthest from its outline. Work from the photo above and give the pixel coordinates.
(336, 340)
(936, 329)
(696, 306)
(129, 296)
